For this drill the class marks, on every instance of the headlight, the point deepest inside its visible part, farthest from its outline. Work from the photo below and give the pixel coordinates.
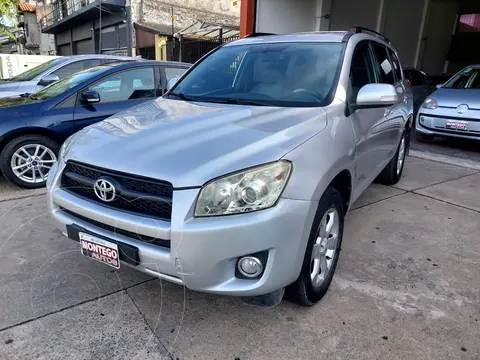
(248, 190)
(430, 104)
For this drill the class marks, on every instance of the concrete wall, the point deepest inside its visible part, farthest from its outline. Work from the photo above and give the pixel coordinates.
(439, 26)
(285, 16)
(158, 15)
(346, 14)
(402, 23)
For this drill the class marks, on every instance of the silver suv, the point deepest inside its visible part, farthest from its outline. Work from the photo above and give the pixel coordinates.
(237, 181)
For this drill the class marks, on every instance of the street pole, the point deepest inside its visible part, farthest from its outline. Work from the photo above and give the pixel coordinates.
(128, 14)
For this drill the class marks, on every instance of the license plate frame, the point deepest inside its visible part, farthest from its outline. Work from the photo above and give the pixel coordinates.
(127, 253)
(99, 249)
(458, 125)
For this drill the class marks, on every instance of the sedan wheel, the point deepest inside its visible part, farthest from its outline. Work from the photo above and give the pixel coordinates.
(32, 162)
(26, 161)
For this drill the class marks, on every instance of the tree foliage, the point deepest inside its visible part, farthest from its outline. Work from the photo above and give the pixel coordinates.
(8, 10)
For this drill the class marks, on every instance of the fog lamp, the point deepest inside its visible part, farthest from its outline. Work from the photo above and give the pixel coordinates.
(250, 266)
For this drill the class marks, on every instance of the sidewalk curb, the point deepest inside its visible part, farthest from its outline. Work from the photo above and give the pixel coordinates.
(466, 163)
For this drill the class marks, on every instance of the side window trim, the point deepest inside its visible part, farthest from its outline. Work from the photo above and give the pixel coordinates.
(160, 80)
(78, 103)
(374, 62)
(393, 62)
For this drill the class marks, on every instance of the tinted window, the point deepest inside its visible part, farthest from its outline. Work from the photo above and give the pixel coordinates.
(68, 83)
(397, 68)
(174, 72)
(361, 71)
(32, 73)
(416, 78)
(468, 78)
(126, 85)
(280, 74)
(76, 66)
(385, 66)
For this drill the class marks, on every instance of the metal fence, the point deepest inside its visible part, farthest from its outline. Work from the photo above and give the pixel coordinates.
(192, 50)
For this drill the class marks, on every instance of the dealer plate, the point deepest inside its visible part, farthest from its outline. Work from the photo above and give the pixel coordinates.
(99, 249)
(456, 125)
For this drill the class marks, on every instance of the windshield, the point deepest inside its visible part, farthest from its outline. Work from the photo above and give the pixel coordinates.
(34, 72)
(468, 78)
(69, 82)
(278, 74)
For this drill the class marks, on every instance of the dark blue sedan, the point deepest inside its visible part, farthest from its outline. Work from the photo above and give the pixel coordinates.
(33, 126)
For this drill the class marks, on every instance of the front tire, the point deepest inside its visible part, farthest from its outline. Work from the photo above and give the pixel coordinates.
(322, 253)
(394, 169)
(26, 161)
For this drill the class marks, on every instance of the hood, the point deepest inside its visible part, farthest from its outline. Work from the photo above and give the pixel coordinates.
(189, 143)
(16, 101)
(447, 97)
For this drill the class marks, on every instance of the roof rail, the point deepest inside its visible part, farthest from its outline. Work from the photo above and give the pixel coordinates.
(259, 34)
(361, 29)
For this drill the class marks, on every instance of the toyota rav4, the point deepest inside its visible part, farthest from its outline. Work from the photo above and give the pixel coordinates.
(237, 181)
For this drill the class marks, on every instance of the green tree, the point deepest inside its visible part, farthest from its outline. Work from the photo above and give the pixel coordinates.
(8, 11)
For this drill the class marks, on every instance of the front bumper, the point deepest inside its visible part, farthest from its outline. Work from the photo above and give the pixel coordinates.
(203, 252)
(433, 122)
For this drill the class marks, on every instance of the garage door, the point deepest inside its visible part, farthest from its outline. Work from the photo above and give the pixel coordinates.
(83, 47)
(64, 50)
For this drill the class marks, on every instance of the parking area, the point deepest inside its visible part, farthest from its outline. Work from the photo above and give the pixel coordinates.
(407, 287)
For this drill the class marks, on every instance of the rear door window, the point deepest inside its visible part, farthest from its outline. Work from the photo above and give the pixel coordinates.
(385, 67)
(397, 68)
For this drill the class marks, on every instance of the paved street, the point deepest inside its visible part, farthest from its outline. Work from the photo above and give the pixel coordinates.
(407, 287)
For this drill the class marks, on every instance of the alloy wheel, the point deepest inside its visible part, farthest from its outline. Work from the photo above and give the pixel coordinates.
(401, 156)
(325, 248)
(32, 163)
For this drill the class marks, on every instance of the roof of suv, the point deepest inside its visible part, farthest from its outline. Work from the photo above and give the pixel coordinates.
(315, 36)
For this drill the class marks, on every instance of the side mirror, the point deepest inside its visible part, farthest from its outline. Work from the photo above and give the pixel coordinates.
(438, 86)
(48, 79)
(90, 97)
(171, 82)
(376, 95)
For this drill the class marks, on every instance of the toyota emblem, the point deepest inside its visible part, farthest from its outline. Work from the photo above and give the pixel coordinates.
(104, 190)
(462, 108)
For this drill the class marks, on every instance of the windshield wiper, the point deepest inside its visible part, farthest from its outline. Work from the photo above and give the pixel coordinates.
(182, 96)
(25, 94)
(236, 101)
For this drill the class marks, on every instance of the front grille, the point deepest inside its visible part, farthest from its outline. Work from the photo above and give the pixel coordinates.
(135, 194)
(135, 236)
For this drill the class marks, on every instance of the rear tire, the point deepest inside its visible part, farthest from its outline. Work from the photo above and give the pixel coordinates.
(308, 288)
(394, 169)
(424, 138)
(14, 160)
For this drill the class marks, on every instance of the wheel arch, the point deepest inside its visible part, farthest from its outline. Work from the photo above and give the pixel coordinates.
(342, 182)
(4, 140)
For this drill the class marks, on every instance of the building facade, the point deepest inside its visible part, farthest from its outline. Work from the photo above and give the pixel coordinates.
(101, 26)
(34, 42)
